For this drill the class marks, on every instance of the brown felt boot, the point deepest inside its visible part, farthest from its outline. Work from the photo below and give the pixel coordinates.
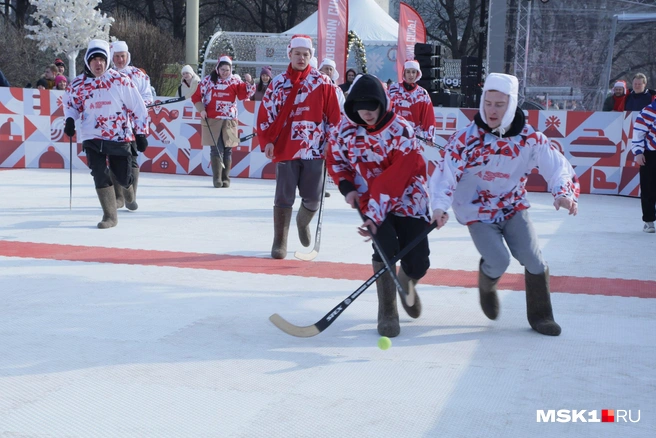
(108, 203)
(281, 219)
(118, 191)
(388, 314)
(413, 306)
(303, 219)
(216, 171)
(227, 162)
(538, 304)
(487, 291)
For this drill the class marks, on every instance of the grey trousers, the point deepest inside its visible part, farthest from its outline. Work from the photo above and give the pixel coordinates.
(519, 235)
(307, 175)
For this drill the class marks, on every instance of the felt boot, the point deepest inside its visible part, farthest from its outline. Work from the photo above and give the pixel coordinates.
(118, 191)
(538, 304)
(216, 171)
(388, 314)
(108, 203)
(227, 163)
(487, 290)
(281, 219)
(303, 219)
(413, 306)
(130, 200)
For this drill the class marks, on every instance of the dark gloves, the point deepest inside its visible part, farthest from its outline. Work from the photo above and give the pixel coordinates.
(69, 129)
(142, 142)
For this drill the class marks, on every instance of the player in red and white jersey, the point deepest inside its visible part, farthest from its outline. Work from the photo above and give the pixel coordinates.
(121, 58)
(413, 103)
(377, 164)
(216, 101)
(298, 113)
(111, 116)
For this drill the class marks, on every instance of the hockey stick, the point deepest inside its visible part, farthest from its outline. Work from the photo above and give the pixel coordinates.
(407, 299)
(317, 237)
(166, 102)
(428, 142)
(207, 122)
(330, 317)
(248, 137)
(70, 177)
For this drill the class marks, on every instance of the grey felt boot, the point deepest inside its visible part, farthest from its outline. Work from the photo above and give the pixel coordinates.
(388, 314)
(538, 304)
(108, 203)
(130, 199)
(135, 180)
(217, 166)
(281, 219)
(118, 191)
(227, 163)
(409, 285)
(303, 219)
(487, 290)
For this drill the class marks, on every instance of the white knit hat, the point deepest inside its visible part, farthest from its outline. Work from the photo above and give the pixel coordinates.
(506, 84)
(330, 62)
(297, 41)
(413, 64)
(96, 47)
(119, 46)
(314, 62)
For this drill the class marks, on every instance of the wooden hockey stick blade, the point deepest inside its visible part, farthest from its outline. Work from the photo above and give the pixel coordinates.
(306, 257)
(294, 330)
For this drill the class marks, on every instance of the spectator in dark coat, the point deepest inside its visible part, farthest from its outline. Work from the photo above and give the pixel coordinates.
(640, 96)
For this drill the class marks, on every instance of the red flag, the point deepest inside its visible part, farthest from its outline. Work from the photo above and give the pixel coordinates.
(411, 30)
(333, 32)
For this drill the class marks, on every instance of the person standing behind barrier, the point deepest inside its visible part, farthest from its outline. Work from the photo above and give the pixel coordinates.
(329, 68)
(121, 60)
(413, 103)
(644, 149)
(350, 77)
(188, 83)
(112, 116)
(265, 80)
(215, 100)
(617, 100)
(482, 175)
(299, 111)
(640, 96)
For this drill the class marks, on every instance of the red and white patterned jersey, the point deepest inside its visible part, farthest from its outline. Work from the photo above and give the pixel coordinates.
(483, 176)
(385, 166)
(141, 81)
(315, 116)
(109, 107)
(416, 107)
(220, 97)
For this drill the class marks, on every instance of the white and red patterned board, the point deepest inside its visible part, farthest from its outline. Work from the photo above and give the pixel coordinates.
(31, 135)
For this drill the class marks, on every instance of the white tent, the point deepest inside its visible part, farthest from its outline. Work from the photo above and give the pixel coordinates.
(366, 18)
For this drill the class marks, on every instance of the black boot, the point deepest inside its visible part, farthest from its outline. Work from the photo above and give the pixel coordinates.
(409, 285)
(217, 166)
(108, 203)
(487, 291)
(227, 163)
(538, 304)
(303, 219)
(281, 219)
(118, 191)
(388, 314)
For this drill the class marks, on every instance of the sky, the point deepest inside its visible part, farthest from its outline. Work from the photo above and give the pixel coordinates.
(160, 326)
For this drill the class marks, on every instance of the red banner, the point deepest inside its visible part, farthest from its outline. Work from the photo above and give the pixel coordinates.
(333, 32)
(411, 30)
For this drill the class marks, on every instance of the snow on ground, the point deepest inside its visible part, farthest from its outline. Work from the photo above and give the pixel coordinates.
(90, 349)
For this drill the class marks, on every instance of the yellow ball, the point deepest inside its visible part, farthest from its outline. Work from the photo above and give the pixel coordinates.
(384, 343)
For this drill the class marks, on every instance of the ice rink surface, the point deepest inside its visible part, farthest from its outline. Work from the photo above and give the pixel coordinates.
(159, 327)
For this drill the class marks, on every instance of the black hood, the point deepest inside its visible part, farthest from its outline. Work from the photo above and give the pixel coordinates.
(366, 87)
(516, 127)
